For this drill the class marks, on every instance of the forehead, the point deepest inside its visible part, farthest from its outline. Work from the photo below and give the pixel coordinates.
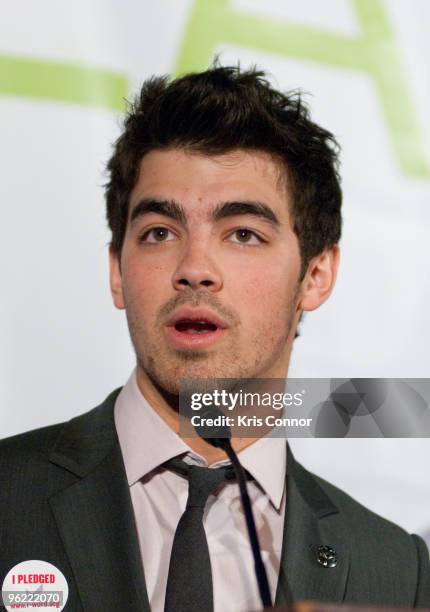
(200, 181)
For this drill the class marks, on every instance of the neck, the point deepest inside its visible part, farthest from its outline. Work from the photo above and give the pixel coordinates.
(167, 407)
(212, 454)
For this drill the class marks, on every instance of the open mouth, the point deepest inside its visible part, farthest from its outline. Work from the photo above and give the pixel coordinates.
(195, 329)
(190, 326)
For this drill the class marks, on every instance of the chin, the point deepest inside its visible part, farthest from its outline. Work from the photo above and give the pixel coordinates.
(192, 367)
(191, 356)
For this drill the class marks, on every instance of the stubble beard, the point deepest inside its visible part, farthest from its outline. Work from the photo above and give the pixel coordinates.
(165, 367)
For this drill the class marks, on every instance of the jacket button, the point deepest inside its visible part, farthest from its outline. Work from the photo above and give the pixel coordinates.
(326, 556)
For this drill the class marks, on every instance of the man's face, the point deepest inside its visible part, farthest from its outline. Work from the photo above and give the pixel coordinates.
(209, 268)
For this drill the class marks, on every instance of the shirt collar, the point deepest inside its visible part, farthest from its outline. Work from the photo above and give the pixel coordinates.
(266, 461)
(147, 441)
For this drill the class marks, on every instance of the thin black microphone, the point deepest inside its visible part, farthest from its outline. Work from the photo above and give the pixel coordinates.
(223, 441)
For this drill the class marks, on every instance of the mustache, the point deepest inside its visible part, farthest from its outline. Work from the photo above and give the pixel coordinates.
(195, 299)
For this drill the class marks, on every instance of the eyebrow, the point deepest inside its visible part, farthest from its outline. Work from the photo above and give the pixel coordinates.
(258, 209)
(223, 210)
(168, 208)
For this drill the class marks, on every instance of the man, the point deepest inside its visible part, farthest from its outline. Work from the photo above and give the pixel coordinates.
(224, 204)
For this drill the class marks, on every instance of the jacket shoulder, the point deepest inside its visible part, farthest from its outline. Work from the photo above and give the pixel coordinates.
(34, 442)
(358, 515)
(25, 456)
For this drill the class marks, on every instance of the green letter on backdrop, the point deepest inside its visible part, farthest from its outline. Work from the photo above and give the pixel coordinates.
(214, 22)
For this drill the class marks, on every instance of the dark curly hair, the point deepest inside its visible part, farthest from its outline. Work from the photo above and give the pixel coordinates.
(217, 111)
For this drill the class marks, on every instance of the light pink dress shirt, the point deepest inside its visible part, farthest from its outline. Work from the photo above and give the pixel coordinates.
(159, 497)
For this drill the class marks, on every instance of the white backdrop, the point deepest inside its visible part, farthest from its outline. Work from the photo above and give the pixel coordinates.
(65, 347)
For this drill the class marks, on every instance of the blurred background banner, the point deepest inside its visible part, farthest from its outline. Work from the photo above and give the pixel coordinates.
(66, 70)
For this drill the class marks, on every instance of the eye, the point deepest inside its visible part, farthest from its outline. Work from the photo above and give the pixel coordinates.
(246, 236)
(156, 234)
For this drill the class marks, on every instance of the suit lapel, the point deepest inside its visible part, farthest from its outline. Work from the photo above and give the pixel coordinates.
(95, 516)
(311, 520)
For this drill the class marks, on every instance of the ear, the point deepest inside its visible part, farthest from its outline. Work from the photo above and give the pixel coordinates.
(319, 279)
(115, 280)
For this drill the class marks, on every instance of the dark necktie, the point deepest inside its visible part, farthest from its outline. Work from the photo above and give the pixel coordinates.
(189, 582)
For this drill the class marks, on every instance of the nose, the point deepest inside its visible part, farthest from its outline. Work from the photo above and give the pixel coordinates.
(196, 269)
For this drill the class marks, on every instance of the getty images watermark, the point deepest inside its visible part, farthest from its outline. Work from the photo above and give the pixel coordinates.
(305, 407)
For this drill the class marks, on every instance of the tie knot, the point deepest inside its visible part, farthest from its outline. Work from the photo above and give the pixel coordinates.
(202, 481)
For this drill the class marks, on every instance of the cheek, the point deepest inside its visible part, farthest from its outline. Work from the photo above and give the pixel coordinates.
(145, 287)
(260, 290)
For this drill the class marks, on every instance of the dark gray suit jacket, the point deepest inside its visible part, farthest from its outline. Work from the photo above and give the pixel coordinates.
(64, 498)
